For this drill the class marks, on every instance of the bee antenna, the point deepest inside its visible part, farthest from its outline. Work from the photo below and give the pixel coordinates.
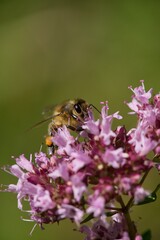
(91, 105)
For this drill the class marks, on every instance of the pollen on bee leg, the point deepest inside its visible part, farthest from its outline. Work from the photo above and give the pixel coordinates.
(48, 141)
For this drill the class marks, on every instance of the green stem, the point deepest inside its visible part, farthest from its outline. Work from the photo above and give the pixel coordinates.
(157, 188)
(144, 176)
(125, 208)
(113, 208)
(129, 223)
(130, 202)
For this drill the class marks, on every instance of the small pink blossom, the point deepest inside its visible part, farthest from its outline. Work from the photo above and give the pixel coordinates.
(139, 139)
(63, 139)
(92, 126)
(68, 211)
(105, 231)
(80, 159)
(96, 206)
(24, 163)
(78, 186)
(16, 171)
(140, 194)
(115, 158)
(138, 237)
(42, 160)
(42, 200)
(141, 95)
(60, 171)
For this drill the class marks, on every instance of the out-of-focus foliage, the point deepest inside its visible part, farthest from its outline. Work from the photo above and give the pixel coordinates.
(54, 50)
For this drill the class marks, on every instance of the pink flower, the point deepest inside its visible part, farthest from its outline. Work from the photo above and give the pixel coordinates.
(141, 95)
(139, 139)
(115, 158)
(140, 194)
(16, 171)
(63, 139)
(80, 159)
(42, 160)
(106, 123)
(24, 163)
(42, 200)
(60, 171)
(105, 231)
(92, 126)
(138, 237)
(68, 211)
(96, 205)
(78, 186)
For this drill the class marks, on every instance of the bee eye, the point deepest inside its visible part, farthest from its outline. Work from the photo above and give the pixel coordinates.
(77, 108)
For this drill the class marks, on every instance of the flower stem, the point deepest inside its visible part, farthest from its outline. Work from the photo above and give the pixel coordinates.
(113, 208)
(130, 202)
(129, 223)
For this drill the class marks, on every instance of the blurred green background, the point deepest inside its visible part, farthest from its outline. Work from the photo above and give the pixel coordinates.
(54, 50)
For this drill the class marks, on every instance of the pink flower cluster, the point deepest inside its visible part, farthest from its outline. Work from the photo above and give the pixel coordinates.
(145, 137)
(101, 229)
(87, 174)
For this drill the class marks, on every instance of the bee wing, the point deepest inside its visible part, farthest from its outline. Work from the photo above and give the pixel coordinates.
(40, 123)
(43, 121)
(47, 114)
(48, 111)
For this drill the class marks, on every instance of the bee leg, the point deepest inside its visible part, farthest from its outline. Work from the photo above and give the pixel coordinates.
(51, 150)
(51, 128)
(79, 129)
(40, 149)
(50, 146)
(78, 136)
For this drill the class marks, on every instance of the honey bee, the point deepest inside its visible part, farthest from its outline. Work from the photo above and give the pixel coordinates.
(70, 113)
